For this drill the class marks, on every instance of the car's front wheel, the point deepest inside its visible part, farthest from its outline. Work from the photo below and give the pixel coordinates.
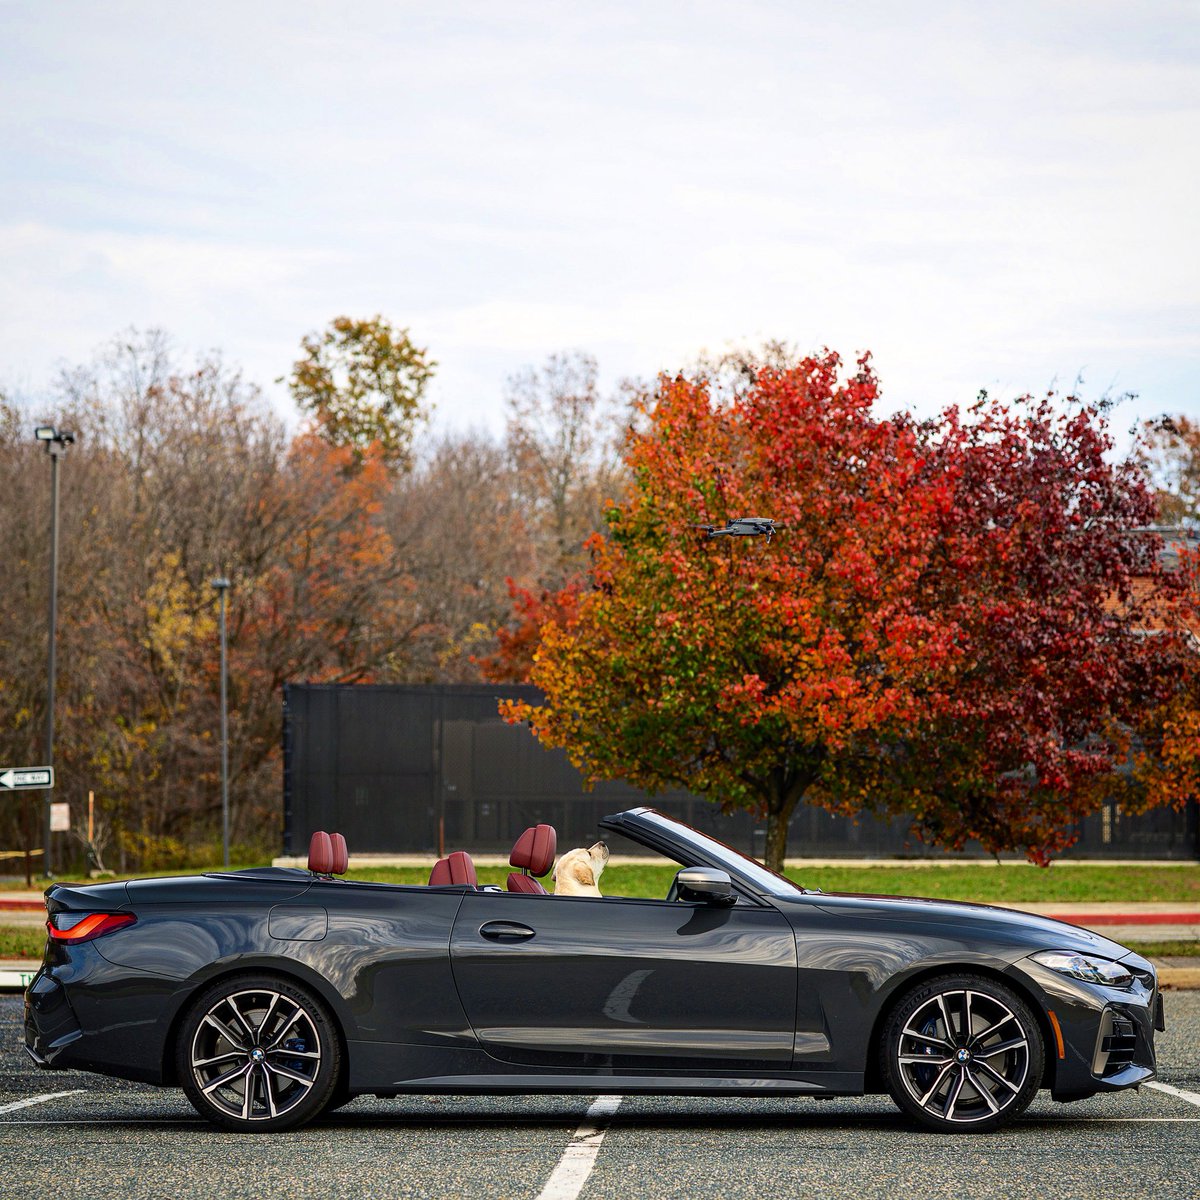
(258, 1053)
(962, 1053)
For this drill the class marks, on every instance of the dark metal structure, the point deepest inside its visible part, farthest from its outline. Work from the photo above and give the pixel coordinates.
(393, 767)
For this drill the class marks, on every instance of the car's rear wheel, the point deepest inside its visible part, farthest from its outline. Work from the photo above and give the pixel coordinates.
(258, 1053)
(962, 1054)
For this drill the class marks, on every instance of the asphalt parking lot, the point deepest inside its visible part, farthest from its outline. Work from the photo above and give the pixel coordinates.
(123, 1139)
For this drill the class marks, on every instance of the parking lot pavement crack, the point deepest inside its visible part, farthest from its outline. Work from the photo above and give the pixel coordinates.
(568, 1177)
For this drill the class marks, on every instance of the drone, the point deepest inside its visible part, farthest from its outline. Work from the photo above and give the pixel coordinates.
(741, 527)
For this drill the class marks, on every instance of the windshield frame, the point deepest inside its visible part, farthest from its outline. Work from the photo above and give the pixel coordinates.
(695, 848)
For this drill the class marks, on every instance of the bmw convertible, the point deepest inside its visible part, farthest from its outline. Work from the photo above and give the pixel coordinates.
(275, 994)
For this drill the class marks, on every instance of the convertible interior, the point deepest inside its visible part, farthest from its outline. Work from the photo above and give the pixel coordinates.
(533, 855)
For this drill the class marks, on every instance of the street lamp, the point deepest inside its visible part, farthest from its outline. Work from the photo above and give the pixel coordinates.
(222, 586)
(56, 442)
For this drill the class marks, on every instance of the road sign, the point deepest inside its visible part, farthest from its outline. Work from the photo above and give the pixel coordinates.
(26, 779)
(60, 818)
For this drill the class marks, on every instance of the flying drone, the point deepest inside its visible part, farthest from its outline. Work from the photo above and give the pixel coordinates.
(741, 527)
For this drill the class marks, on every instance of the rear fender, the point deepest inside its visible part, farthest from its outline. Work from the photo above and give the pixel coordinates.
(286, 968)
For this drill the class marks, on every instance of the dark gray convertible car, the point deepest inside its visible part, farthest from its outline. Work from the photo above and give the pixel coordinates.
(272, 995)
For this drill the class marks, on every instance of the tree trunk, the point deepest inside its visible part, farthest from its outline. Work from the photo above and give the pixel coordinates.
(784, 789)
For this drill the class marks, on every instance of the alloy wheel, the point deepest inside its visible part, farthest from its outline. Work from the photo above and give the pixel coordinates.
(963, 1053)
(256, 1055)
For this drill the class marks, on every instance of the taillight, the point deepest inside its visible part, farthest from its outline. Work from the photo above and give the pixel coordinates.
(83, 927)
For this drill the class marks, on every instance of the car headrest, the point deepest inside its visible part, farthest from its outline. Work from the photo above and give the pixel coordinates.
(456, 868)
(341, 856)
(320, 853)
(535, 848)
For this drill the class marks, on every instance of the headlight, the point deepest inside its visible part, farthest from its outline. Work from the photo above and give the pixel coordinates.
(1086, 967)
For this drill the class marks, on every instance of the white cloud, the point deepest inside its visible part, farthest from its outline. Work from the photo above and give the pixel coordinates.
(984, 196)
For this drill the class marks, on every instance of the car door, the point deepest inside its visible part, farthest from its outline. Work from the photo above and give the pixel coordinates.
(578, 981)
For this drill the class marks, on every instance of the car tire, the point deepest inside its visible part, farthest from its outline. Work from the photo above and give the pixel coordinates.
(984, 1048)
(258, 1053)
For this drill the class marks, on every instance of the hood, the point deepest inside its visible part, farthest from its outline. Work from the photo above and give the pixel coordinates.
(981, 920)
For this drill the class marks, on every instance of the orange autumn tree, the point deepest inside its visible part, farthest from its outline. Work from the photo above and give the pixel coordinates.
(1166, 748)
(516, 644)
(741, 669)
(319, 594)
(929, 634)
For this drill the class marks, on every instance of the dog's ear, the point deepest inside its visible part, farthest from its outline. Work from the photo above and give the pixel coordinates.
(587, 876)
(554, 873)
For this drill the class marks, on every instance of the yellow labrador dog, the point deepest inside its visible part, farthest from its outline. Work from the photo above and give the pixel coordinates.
(578, 872)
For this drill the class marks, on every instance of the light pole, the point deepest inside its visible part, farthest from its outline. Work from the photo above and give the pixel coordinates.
(56, 442)
(222, 586)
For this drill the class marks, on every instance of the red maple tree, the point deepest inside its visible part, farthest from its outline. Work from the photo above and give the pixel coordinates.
(928, 634)
(1050, 583)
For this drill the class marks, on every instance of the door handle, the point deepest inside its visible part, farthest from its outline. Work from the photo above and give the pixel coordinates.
(505, 931)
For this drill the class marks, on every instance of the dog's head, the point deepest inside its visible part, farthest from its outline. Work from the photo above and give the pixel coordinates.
(578, 872)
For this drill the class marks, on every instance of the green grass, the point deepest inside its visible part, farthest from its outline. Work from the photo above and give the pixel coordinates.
(1016, 883)
(1009, 883)
(14, 883)
(1165, 949)
(22, 941)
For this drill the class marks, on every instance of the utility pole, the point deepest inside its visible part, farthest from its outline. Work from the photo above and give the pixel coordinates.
(222, 586)
(56, 442)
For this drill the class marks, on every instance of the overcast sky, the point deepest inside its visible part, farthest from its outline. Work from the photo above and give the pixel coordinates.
(984, 195)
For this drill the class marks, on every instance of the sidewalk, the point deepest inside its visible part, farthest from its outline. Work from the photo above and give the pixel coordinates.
(1160, 920)
(361, 861)
(1118, 921)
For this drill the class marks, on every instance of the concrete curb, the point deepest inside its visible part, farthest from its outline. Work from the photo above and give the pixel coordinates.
(16, 975)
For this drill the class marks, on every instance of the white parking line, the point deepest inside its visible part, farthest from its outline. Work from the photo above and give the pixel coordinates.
(7, 1108)
(1190, 1097)
(567, 1179)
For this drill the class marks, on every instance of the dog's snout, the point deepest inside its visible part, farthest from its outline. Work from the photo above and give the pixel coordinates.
(601, 849)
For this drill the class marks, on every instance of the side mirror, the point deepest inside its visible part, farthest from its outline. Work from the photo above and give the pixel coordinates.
(707, 884)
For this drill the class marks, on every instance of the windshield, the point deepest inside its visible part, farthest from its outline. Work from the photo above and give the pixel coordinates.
(762, 878)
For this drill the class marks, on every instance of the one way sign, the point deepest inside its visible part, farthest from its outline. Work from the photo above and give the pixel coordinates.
(17, 779)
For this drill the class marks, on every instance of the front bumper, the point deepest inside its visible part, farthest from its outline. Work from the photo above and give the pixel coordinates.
(1107, 1033)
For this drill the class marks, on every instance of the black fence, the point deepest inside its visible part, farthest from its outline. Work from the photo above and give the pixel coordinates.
(388, 766)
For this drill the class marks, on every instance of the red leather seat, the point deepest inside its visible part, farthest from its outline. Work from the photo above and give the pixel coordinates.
(341, 856)
(320, 853)
(456, 868)
(534, 855)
